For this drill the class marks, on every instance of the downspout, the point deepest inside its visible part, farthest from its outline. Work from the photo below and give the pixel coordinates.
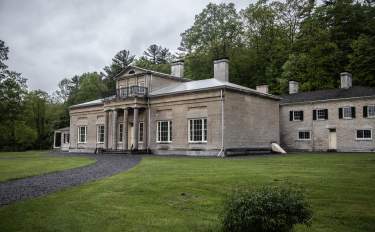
(148, 123)
(312, 128)
(221, 152)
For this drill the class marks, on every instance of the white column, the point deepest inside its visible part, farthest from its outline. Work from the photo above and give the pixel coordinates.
(136, 128)
(114, 129)
(125, 130)
(106, 131)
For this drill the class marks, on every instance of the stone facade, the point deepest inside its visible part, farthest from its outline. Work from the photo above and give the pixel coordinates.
(345, 129)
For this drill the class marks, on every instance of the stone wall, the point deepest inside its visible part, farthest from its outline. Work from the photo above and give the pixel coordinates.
(345, 128)
(250, 121)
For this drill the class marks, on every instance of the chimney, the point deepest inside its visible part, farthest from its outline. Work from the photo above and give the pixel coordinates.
(293, 87)
(177, 68)
(346, 80)
(221, 69)
(262, 88)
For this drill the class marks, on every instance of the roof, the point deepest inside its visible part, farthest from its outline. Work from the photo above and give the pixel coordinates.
(206, 84)
(328, 94)
(146, 71)
(90, 103)
(63, 129)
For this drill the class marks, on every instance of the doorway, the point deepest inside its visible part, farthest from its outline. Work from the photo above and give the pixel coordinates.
(332, 140)
(130, 135)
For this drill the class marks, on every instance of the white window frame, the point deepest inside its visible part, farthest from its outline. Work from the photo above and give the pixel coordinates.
(368, 111)
(98, 133)
(79, 134)
(350, 112)
(141, 131)
(204, 130)
(120, 132)
(65, 138)
(363, 139)
(169, 131)
(317, 115)
(294, 116)
(303, 139)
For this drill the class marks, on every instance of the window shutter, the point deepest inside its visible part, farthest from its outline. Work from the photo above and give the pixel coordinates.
(314, 114)
(301, 115)
(353, 112)
(365, 111)
(290, 115)
(326, 113)
(340, 113)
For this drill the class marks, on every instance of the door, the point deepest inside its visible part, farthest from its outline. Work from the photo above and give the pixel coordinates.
(332, 146)
(130, 136)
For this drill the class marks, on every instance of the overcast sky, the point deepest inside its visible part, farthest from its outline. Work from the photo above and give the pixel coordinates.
(50, 40)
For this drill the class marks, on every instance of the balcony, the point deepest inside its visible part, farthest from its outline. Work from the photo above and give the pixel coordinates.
(132, 91)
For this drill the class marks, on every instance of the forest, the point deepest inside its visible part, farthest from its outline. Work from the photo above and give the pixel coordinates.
(268, 42)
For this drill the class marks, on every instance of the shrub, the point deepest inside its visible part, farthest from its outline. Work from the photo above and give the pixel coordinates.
(267, 209)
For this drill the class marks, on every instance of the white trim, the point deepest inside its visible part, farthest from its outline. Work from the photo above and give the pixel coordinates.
(343, 112)
(299, 139)
(317, 114)
(294, 111)
(97, 133)
(368, 111)
(363, 139)
(79, 135)
(169, 131)
(203, 130)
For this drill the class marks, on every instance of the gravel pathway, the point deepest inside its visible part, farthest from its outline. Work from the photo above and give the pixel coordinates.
(30, 187)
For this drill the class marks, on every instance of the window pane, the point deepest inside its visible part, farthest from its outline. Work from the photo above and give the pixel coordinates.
(141, 132)
(371, 111)
(347, 112)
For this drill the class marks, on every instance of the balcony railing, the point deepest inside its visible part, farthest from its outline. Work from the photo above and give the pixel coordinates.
(132, 91)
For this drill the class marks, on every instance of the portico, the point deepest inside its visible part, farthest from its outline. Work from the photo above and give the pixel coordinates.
(125, 128)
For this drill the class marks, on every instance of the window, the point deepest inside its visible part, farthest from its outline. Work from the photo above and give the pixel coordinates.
(304, 135)
(100, 133)
(296, 115)
(66, 138)
(321, 114)
(82, 134)
(164, 132)
(198, 130)
(364, 134)
(120, 132)
(369, 111)
(141, 132)
(347, 112)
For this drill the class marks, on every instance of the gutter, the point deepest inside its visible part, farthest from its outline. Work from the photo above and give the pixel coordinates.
(325, 100)
(221, 152)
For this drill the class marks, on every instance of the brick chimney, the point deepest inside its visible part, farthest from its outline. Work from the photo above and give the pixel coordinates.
(346, 80)
(293, 87)
(262, 88)
(177, 68)
(221, 69)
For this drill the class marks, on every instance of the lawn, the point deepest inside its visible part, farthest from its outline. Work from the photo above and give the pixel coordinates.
(186, 194)
(14, 165)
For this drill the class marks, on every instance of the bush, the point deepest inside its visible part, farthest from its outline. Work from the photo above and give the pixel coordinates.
(268, 209)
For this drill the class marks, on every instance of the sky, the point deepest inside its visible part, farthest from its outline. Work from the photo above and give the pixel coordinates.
(52, 39)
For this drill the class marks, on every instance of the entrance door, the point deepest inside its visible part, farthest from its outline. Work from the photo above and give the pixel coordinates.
(130, 136)
(332, 140)
(58, 140)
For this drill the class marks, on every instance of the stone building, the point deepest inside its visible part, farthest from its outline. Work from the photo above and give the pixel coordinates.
(169, 114)
(340, 119)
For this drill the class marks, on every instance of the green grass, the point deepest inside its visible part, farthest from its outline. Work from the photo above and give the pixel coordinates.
(186, 194)
(14, 165)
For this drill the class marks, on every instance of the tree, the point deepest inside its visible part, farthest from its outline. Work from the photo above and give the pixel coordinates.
(216, 29)
(121, 60)
(362, 60)
(156, 54)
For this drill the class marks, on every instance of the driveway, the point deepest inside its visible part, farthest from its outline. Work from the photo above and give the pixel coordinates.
(30, 187)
